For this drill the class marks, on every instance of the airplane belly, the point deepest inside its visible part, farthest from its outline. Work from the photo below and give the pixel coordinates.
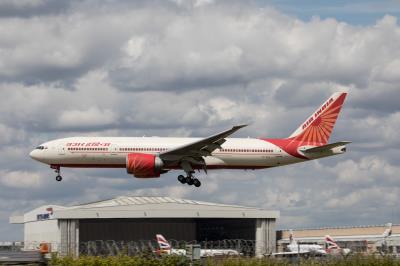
(236, 161)
(256, 160)
(91, 160)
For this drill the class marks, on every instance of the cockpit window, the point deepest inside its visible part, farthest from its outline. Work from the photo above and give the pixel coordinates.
(40, 147)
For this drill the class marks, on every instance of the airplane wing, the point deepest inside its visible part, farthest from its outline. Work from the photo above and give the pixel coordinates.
(194, 151)
(326, 147)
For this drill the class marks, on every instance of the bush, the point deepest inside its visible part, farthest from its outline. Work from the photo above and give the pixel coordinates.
(120, 260)
(357, 260)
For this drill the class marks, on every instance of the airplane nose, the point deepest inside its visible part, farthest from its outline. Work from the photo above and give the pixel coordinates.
(33, 154)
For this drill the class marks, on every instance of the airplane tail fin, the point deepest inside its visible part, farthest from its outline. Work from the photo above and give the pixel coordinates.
(317, 129)
(291, 238)
(388, 231)
(162, 242)
(330, 243)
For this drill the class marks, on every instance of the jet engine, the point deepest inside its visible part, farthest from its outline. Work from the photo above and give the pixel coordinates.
(143, 165)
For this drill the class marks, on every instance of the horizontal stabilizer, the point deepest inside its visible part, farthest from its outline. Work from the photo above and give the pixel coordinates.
(326, 147)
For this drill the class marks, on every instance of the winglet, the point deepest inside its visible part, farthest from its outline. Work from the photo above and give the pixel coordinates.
(239, 126)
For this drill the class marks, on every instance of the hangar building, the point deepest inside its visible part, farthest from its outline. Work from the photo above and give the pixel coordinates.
(140, 218)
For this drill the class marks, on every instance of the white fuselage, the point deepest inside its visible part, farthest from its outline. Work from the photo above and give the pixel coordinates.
(246, 153)
(205, 252)
(111, 152)
(306, 248)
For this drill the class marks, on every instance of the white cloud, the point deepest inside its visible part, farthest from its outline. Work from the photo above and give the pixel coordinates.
(369, 169)
(134, 49)
(372, 195)
(90, 117)
(21, 179)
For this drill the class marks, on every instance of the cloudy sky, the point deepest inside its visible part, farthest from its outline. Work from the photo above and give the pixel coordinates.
(193, 68)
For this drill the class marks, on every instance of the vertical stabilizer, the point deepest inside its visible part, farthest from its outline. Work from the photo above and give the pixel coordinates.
(292, 241)
(317, 129)
(388, 231)
(331, 243)
(162, 242)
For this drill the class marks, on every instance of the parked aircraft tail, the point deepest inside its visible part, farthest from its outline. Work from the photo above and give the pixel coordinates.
(388, 231)
(330, 243)
(332, 247)
(292, 241)
(162, 242)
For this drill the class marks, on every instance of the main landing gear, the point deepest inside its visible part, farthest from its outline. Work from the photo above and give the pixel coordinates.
(190, 180)
(58, 171)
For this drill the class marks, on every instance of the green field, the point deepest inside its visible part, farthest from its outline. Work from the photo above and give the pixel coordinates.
(181, 261)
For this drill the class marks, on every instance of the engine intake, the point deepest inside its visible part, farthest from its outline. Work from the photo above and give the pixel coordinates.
(143, 165)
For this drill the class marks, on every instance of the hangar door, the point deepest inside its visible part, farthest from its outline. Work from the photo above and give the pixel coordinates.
(219, 229)
(136, 229)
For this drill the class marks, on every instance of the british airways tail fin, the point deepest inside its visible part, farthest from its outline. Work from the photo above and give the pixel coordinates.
(162, 242)
(330, 243)
(388, 231)
(317, 129)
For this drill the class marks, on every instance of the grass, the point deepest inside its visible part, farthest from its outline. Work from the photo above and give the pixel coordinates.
(123, 260)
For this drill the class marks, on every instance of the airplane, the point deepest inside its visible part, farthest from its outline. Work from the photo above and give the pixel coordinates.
(149, 157)
(295, 248)
(382, 244)
(166, 248)
(332, 247)
(303, 248)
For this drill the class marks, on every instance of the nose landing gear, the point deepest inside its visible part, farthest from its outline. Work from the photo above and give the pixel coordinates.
(57, 170)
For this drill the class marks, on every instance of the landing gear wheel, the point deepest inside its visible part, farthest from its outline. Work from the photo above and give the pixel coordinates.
(196, 182)
(189, 181)
(182, 179)
(57, 170)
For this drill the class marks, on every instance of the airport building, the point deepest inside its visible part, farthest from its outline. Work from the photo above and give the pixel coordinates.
(365, 239)
(141, 218)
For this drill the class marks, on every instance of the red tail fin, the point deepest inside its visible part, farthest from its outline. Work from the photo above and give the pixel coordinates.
(317, 129)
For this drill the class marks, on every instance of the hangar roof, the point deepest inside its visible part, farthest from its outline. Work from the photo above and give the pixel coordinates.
(148, 207)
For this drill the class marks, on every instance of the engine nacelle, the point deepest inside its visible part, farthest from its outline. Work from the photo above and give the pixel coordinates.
(144, 165)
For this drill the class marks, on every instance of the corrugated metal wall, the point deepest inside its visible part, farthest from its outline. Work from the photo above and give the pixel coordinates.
(265, 237)
(69, 230)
